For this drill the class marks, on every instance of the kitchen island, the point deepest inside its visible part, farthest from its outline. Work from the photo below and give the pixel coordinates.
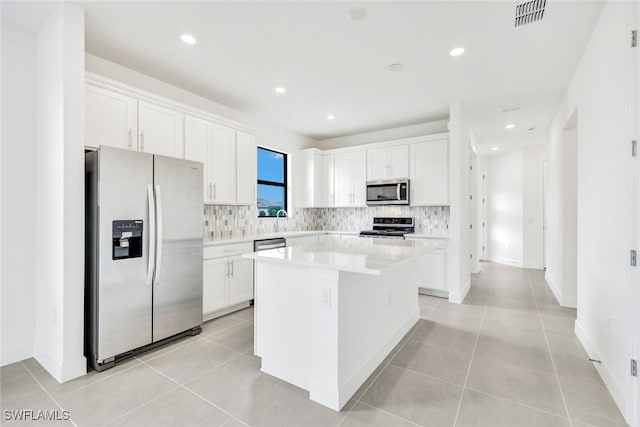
(327, 314)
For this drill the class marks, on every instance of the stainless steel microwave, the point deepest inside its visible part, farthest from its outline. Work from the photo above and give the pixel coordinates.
(388, 192)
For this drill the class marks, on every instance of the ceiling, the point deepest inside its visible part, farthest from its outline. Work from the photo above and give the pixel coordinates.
(330, 64)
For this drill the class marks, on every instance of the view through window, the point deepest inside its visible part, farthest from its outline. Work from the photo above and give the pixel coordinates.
(272, 182)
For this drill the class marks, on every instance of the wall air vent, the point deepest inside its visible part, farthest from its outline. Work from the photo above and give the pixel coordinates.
(529, 11)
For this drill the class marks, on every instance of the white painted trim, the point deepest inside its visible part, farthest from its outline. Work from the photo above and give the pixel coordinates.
(603, 369)
(531, 265)
(125, 89)
(506, 261)
(571, 302)
(374, 145)
(458, 297)
(16, 353)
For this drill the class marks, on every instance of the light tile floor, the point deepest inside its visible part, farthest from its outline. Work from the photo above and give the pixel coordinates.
(506, 357)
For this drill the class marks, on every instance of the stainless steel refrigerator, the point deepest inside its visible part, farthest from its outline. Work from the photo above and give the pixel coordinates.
(144, 235)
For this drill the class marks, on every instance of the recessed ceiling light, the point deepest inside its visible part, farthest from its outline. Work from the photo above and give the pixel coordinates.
(456, 51)
(396, 67)
(188, 39)
(510, 126)
(357, 14)
(330, 117)
(280, 89)
(494, 148)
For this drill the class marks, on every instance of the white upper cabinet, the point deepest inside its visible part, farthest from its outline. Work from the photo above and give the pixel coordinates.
(246, 168)
(222, 146)
(229, 158)
(350, 178)
(161, 130)
(388, 162)
(324, 189)
(111, 119)
(429, 173)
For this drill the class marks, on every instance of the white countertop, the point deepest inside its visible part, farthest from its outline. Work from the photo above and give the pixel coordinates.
(366, 256)
(251, 237)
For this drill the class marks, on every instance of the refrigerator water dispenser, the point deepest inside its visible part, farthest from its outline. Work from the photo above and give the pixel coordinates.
(127, 239)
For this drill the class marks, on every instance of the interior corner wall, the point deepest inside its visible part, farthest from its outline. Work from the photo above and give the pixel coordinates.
(505, 208)
(599, 91)
(18, 169)
(60, 194)
(458, 268)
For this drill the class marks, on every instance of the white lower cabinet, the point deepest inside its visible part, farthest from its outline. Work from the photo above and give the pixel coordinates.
(227, 278)
(431, 274)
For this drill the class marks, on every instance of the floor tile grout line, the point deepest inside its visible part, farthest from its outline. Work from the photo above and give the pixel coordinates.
(553, 362)
(172, 343)
(466, 380)
(389, 413)
(148, 402)
(48, 394)
(515, 402)
(422, 374)
(437, 346)
(183, 386)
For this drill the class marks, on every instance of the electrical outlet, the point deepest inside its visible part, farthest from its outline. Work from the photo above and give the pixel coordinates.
(325, 298)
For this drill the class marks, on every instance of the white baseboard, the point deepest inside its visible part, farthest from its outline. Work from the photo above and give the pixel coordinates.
(458, 297)
(603, 369)
(506, 261)
(15, 354)
(571, 302)
(67, 371)
(533, 266)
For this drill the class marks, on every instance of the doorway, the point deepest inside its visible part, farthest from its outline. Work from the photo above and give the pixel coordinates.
(570, 212)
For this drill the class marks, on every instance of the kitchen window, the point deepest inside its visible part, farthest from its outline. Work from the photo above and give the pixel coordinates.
(272, 182)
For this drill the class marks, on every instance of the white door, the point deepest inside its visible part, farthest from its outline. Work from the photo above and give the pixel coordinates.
(222, 154)
(110, 119)
(196, 140)
(240, 280)
(429, 173)
(377, 163)
(324, 181)
(214, 291)
(359, 180)
(161, 130)
(246, 168)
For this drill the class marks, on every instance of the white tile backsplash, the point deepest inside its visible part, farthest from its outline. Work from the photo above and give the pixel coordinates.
(222, 222)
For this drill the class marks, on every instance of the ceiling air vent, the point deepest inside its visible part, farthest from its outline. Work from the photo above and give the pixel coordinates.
(529, 11)
(509, 108)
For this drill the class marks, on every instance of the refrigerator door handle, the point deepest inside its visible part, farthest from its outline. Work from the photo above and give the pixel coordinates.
(152, 234)
(159, 227)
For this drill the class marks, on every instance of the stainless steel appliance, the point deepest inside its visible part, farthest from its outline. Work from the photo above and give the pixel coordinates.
(388, 192)
(265, 244)
(390, 227)
(143, 264)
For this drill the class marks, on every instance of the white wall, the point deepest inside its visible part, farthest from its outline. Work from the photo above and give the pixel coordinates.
(458, 267)
(515, 207)
(599, 91)
(505, 208)
(18, 291)
(427, 128)
(60, 194)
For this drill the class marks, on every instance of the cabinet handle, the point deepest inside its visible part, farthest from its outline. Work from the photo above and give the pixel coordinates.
(231, 263)
(142, 141)
(130, 141)
(210, 191)
(214, 191)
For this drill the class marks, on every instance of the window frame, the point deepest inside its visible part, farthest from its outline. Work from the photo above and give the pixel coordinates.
(284, 184)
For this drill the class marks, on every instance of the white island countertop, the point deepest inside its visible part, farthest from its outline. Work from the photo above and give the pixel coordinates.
(366, 256)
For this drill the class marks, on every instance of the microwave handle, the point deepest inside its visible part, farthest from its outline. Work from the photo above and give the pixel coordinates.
(398, 192)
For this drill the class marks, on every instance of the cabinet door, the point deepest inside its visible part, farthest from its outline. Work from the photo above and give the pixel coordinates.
(161, 130)
(343, 167)
(323, 181)
(431, 274)
(214, 291)
(359, 180)
(377, 163)
(196, 134)
(398, 161)
(430, 173)
(240, 280)
(222, 152)
(110, 119)
(246, 168)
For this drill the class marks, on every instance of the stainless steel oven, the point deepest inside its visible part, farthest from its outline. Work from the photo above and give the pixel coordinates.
(388, 192)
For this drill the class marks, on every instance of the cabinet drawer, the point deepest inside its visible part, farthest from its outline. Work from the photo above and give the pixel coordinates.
(231, 249)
